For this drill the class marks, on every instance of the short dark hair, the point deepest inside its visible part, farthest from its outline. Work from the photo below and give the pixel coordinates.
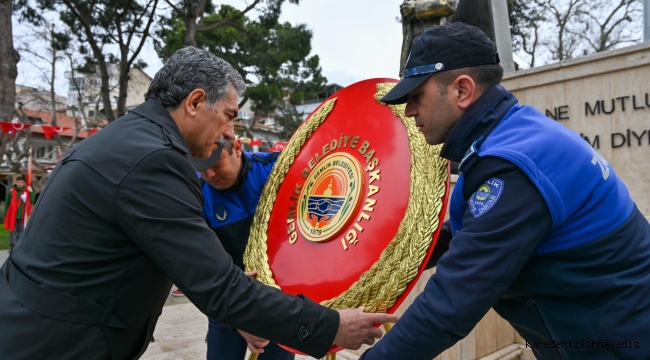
(485, 76)
(227, 145)
(20, 177)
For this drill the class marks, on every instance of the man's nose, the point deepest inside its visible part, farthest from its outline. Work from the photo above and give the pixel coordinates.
(229, 134)
(410, 110)
(209, 173)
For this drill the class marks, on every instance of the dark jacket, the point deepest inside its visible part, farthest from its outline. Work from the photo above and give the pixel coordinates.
(230, 212)
(587, 301)
(118, 221)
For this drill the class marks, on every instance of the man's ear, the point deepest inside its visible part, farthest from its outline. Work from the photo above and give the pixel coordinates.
(193, 100)
(465, 91)
(236, 147)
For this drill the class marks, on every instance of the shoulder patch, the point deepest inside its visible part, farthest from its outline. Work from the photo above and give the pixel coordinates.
(485, 197)
(265, 159)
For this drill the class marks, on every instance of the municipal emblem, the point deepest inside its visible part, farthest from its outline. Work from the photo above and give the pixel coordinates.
(485, 197)
(329, 197)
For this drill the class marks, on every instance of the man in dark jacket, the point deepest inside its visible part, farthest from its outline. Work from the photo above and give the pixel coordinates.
(232, 182)
(542, 229)
(120, 219)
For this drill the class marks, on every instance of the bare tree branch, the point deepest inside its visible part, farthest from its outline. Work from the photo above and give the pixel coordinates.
(228, 20)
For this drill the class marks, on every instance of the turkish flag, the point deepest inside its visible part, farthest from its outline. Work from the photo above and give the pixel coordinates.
(50, 131)
(92, 131)
(257, 142)
(278, 146)
(26, 193)
(11, 127)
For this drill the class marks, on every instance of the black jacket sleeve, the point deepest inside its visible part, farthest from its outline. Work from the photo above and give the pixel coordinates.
(166, 224)
(483, 259)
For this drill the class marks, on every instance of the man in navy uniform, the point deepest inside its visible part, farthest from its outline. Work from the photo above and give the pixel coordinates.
(120, 219)
(542, 229)
(232, 181)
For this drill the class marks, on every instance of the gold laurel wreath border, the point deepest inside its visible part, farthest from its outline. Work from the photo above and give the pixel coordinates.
(378, 288)
(255, 256)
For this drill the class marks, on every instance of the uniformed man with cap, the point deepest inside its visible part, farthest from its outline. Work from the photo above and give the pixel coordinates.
(542, 229)
(232, 181)
(120, 219)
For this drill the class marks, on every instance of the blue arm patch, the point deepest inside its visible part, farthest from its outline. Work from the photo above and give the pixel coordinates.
(487, 195)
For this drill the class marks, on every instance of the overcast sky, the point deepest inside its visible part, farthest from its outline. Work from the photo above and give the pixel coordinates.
(355, 40)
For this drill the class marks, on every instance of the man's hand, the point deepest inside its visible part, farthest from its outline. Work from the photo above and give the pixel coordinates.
(251, 274)
(357, 328)
(255, 344)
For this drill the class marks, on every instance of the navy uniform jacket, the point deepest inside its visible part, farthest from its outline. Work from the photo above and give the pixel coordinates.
(230, 212)
(525, 243)
(118, 221)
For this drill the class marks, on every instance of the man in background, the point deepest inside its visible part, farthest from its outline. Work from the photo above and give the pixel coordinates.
(232, 183)
(17, 209)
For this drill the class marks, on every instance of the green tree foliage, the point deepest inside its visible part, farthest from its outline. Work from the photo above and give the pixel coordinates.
(272, 57)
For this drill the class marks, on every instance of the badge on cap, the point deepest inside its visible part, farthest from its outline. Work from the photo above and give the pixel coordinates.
(439, 66)
(485, 197)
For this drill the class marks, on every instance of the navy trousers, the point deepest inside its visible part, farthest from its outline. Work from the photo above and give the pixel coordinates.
(225, 343)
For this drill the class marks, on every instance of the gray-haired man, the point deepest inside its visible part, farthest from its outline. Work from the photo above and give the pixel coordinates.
(120, 219)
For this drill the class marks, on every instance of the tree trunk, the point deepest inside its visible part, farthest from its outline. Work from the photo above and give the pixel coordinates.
(103, 71)
(106, 92)
(8, 59)
(190, 30)
(52, 78)
(242, 102)
(123, 88)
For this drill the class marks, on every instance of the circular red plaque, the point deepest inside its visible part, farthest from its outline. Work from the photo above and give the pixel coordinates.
(345, 196)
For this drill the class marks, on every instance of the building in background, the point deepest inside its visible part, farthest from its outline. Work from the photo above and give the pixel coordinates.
(309, 105)
(33, 98)
(37, 106)
(263, 133)
(87, 88)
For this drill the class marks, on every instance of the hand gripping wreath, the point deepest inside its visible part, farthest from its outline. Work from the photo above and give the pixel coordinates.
(351, 210)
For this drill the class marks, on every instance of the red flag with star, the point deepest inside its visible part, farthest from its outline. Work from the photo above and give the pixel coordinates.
(12, 127)
(49, 130)
(27, 208)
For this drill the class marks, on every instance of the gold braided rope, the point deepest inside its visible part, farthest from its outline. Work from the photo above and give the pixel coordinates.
(378, 288)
